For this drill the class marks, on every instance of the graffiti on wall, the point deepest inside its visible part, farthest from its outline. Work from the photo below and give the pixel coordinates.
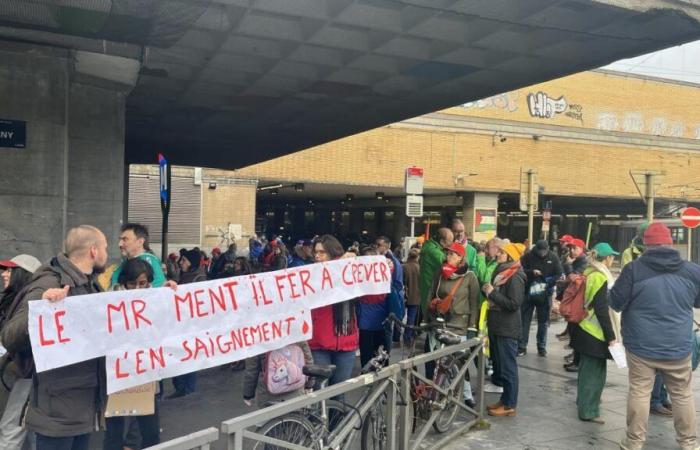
(507, 102)
(575, 112)
(634, 122)
(545, 107)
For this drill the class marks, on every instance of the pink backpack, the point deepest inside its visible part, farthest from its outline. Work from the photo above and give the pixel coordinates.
(282, 370)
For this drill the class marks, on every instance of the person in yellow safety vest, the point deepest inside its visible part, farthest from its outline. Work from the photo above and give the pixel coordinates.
(594, 334)
(636, 247)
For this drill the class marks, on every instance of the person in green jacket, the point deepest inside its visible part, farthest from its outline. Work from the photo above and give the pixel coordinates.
(432, 255)
(133, 243)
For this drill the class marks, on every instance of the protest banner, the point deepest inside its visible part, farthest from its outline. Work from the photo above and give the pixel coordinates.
(150, 334)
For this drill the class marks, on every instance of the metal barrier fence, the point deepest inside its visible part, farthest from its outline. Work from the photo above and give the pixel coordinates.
(390, 386)
(197, 440)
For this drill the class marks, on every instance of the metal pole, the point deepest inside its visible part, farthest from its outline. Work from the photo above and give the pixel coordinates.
(690, 245)
(413, 227)
(649, 177)
(530, 207)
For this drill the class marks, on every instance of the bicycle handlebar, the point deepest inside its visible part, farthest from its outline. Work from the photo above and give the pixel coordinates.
(378, 362)
(394, 319)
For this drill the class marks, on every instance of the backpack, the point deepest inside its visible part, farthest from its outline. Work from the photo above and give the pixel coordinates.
(282, 370)
(573, 304)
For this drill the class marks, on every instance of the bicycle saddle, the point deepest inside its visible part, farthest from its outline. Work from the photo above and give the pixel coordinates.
(448, 339)
(318, 370)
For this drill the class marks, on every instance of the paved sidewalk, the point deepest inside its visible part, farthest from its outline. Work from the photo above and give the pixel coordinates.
(547, 417)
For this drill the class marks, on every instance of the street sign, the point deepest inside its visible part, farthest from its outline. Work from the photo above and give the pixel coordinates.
(414, 181)
(164, 174)
(414, 205)
(525, 175)
(690, 217)
(13, 133)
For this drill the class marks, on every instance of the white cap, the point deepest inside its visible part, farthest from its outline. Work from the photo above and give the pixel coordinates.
(26, 262)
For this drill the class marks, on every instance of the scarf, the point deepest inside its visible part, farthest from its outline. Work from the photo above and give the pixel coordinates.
(344, 318)
(505, 275)
(448, 270)
(602, 268)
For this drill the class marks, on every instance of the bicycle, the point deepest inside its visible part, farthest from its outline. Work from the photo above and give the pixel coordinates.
(425, 398)
(315, 428)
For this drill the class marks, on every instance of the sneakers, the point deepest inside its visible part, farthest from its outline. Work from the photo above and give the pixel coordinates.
(502, 411)
(522, 352)
(660, 410)
(597, 420)
(542, 352)
(492, 388)
(571, 367)
(470, 403)
(494, 406)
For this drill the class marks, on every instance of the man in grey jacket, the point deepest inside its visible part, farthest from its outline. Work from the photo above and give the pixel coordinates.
(66, 404)
(656, 294)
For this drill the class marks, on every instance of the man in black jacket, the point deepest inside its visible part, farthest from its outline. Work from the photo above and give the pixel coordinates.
(543, 269)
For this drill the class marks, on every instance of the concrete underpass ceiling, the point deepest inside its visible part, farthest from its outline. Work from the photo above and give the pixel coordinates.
(227, 83)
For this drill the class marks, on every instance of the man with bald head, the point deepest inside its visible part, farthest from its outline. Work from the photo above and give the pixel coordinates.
(65, 403)
(432, 255)
(460, 236)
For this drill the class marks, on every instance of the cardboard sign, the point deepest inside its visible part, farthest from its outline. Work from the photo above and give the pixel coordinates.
(151, 334)
(135, 401)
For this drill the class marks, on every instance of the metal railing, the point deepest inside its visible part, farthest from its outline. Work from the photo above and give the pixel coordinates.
(394, 381)
(197, 440)
(390, 380)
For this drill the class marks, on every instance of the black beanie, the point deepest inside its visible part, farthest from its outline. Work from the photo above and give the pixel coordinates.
(194, 257)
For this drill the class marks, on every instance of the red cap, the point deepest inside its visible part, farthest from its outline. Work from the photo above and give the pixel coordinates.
(456, 247)
(578, 243)
(216, 251)
(566, 239)
(658, 234)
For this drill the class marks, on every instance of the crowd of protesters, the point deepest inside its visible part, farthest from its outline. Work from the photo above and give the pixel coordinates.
(488, 289)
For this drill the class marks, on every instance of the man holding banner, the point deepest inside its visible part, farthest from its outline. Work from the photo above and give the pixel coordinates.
(65, 403)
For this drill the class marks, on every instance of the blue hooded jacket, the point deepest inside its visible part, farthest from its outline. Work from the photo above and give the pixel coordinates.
(656, 294)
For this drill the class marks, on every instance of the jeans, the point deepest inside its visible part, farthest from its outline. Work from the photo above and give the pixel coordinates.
(527, 310)
(186, 383)
(504, 351)
(411, 316)
(12, 434)
(659, 395)
(344, 363)
(79, 442)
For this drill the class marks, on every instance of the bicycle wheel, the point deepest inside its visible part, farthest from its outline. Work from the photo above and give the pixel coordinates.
(292, 428)
(447, 415)
(336, 413)
(374, 432)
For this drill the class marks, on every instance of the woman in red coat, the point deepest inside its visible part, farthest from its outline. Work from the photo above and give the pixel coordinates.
(335, 336)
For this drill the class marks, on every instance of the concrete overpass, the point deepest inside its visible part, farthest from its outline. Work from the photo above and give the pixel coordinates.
(226, 83)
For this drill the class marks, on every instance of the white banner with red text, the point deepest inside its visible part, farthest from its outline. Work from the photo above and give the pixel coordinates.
(151, 334)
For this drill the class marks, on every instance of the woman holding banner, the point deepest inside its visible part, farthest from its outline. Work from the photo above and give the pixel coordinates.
(135, 274)
(335, 336)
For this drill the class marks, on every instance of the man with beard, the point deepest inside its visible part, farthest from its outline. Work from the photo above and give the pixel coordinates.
(63, 418)
(133, 243)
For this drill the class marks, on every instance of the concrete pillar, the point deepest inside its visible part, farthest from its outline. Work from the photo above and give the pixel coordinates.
(480, 213)
(72, 169)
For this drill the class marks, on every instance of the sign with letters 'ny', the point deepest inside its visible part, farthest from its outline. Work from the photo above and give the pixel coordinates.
(13, 133)
(151, 334)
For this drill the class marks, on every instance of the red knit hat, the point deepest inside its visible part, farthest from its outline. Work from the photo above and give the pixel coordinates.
(658, 234)
(456, 247)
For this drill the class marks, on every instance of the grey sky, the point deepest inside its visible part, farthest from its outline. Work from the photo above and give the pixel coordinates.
(677, 63)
